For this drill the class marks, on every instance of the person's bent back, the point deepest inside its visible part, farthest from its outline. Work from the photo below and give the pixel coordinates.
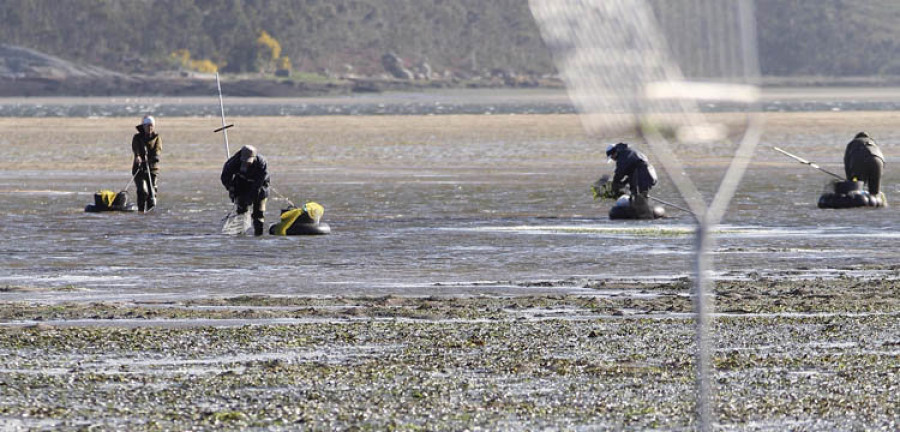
(246, 176)
(863, 161)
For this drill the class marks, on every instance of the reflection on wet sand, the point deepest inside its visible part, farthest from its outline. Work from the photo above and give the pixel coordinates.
(419, 205)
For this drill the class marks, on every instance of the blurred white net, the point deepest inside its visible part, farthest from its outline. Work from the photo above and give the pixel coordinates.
(645, 68)
(680, 75)
(236, 223)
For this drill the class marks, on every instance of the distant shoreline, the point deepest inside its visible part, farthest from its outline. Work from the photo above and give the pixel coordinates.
(445, 94)
(147, 86)
(244, 86)
(432, 101)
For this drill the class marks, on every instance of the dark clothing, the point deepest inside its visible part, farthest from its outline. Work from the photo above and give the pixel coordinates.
(867, 170)
(640, 203)
(246, 188)
(258, 215)
(148, 147)
(634, 169)
(250, 185)
(864, 161)
(146, 194)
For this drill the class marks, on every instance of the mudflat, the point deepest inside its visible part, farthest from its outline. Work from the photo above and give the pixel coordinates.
(470, 283)
(808, 355)
(102, 143)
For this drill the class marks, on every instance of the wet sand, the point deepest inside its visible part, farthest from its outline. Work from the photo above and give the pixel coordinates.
(60, 144)
(477, 330)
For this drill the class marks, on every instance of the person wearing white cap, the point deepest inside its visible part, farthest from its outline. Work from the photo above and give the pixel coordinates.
(246, 177)
(146, 145)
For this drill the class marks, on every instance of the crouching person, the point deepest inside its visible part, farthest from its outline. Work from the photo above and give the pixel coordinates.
(634, 170)
(246, 177)
(864, 161)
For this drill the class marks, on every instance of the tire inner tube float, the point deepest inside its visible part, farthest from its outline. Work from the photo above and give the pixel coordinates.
(304, 220)
(109, 201)
(626, 208)
(850, 194)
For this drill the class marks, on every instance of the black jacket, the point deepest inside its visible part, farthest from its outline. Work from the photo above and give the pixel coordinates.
(253, 184)
(633, 168)
(859, 151)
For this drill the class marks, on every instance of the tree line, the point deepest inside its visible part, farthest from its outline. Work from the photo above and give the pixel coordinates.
(796, 37)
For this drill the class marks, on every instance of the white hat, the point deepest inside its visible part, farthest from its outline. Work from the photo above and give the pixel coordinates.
(609, 149)
(148, 120)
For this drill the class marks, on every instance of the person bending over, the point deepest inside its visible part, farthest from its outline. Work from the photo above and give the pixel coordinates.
(246, 177)
(863, 161)
(634, 170)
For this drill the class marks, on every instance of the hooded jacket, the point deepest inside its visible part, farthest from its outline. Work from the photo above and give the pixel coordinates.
(860, 150)
(634, 168)
(252, 184)
(146, 147)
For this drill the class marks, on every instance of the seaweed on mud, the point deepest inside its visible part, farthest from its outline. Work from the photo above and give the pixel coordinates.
(805, 350)
(843, 295)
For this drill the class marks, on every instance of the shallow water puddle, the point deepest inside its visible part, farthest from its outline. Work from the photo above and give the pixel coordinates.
(638, 231)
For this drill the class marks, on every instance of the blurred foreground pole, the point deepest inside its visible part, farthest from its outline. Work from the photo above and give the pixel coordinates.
(644, 69)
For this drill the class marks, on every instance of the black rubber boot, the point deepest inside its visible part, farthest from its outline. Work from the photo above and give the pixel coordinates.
(259, 219)
(141, 201)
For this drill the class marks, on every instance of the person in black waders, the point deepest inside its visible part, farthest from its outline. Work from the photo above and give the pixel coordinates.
(634, 169)
(863, 161)
(246, 176)
(146, 146)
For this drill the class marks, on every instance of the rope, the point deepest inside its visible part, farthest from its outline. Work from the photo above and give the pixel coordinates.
(127, 185)
(279, 195)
